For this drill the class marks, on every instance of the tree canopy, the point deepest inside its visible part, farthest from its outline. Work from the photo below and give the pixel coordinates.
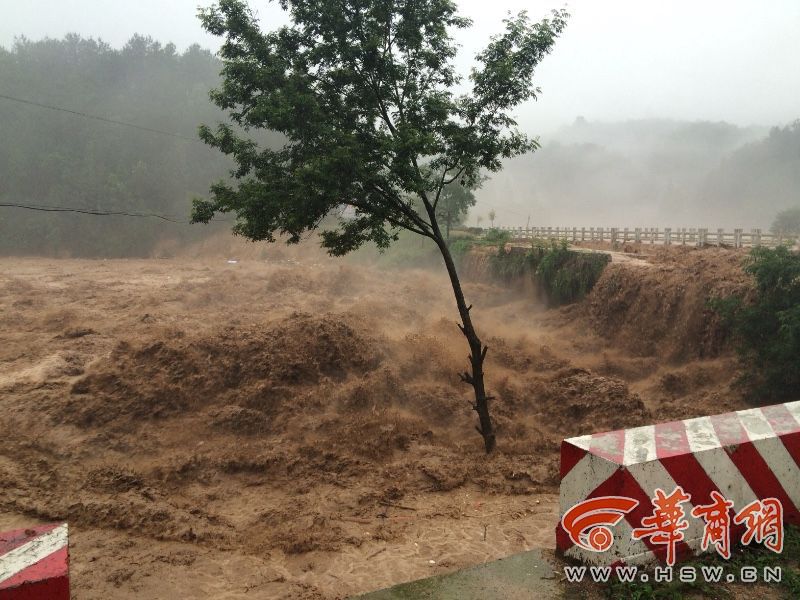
(454, 204)
(365, 94)
(787, 222)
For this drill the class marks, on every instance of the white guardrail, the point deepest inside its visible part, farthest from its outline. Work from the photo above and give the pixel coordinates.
(737, 238)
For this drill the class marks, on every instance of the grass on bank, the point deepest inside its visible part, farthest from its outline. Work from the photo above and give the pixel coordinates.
(564, 275)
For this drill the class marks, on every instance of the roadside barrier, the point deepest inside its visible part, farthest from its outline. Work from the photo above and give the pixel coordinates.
(34, 563)
(661, 493)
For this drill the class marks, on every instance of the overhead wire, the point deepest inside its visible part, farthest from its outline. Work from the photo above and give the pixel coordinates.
(89, 211)
(115, 122)
(98, 118)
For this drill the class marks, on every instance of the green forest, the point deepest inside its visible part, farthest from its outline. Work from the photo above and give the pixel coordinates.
(56, 158)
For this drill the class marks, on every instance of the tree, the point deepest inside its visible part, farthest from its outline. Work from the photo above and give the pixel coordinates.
(492, 215)
(787, 222)
(767, 328)
(454, 203)
(364, 93)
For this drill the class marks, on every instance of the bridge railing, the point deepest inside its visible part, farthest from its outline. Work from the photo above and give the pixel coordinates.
(736, 238)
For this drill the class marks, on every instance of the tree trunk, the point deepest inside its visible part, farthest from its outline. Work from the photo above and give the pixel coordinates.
(477, 351)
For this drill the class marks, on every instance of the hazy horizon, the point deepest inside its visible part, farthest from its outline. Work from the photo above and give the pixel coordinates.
(632, 115)
(736, 62)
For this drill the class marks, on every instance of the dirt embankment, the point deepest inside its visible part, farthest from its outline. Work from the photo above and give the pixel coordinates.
(659, 310)
(664, 311)
(294, 426)
(648, 321)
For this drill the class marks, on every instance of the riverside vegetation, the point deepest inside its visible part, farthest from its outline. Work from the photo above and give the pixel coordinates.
(560, 274)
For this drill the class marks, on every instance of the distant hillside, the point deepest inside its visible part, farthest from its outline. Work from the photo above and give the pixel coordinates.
(56, 158)
(650, 173)
(759, 179)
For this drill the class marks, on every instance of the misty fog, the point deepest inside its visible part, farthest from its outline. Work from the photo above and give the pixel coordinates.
(646, 119)
(651, 173)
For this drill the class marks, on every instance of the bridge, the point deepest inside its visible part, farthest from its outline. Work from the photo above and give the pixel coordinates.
(736, 238)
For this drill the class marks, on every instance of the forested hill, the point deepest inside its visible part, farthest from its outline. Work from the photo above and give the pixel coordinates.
(759, 179)
(651, 173)
(57, 158)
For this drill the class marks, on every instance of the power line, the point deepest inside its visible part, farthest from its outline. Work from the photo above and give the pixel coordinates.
(96, 118)
(87, 211)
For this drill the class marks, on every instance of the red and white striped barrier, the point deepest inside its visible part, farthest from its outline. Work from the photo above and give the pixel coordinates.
(746, 457)
(34, 563)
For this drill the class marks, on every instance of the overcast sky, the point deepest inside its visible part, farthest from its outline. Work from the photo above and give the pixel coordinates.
(619, 59)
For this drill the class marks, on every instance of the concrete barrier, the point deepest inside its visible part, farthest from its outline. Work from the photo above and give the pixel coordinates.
(34, 563)
(748, 458)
